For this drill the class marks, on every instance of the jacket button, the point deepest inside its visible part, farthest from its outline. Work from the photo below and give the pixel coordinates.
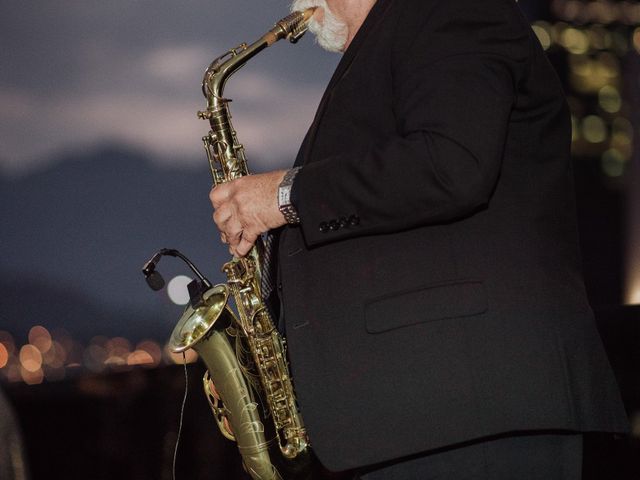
(354, 220)
(343, 221)
(334, 225)
(324, 227)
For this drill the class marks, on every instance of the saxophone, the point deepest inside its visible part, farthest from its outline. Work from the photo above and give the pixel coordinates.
(248, 384)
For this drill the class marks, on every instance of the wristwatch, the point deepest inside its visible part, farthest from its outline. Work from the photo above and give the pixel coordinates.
(284, 197)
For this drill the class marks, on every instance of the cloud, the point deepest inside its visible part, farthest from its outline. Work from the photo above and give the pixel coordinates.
(149, 100)
(83, 72)
(171, 62)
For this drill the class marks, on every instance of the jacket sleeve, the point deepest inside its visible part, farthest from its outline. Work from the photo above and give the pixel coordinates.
(454, 86)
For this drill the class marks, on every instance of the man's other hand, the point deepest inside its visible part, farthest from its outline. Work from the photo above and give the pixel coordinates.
(246, 207)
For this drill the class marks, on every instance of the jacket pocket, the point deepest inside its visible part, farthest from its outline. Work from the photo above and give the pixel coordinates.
(435, 302)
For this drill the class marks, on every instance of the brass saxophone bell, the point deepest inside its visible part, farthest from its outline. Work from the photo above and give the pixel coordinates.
(196, 323)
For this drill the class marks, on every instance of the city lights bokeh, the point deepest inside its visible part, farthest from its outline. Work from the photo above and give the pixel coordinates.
(601, 115)
(52, 356)
(45, 356)
(599, 42)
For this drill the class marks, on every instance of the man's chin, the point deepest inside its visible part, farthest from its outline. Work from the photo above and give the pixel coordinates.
(331, 47)
(329, 41)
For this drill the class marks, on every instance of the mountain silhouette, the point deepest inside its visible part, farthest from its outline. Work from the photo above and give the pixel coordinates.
(26, 302)
(80, 231)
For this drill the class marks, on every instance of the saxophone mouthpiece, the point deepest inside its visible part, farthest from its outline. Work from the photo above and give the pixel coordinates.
(292, 27)
(308, 13)
(301, 25)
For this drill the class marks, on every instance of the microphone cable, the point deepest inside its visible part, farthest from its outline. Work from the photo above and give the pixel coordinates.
(196, 289)
(184, 402)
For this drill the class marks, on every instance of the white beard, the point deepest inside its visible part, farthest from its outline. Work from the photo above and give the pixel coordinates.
(331, 34)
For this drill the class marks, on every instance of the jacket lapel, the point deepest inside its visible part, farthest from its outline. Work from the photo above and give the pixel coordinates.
(375, 15)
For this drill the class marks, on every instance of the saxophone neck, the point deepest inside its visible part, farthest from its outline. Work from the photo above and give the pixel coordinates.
(219, 71)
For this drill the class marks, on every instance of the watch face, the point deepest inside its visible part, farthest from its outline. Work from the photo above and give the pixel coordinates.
(284, 193)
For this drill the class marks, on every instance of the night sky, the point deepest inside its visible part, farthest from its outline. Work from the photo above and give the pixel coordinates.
(101, 162)
(76, 73)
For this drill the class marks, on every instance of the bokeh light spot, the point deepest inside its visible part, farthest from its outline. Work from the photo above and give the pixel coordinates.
(118, 347)
(115, 361)
(542, 32)
(177, 289)
(140, 357)
(152, 348)
(40, 338)
(594, 129)
(609, 99)
(575, 41)
(30, 358)
(4, 356)
(613, 163)
(32, 377)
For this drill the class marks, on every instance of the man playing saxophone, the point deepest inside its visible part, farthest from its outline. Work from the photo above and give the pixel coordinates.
(428, 273)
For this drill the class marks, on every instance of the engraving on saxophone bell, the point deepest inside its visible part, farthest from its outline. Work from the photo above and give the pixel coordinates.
(247, 383)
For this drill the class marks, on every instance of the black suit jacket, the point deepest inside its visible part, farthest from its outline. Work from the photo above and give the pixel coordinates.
(432, 293)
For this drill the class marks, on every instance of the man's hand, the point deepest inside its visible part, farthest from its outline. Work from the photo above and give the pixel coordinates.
(246, 207)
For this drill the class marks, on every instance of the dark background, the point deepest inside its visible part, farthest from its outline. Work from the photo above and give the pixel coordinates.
(100, 166)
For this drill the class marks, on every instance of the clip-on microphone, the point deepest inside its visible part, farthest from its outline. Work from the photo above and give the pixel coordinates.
(197, 287)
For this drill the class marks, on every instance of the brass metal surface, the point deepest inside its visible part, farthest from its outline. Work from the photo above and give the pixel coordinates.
(194, 324)
(248, 383)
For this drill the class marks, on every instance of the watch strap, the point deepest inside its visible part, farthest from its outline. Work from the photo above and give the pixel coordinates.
(285, 206)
